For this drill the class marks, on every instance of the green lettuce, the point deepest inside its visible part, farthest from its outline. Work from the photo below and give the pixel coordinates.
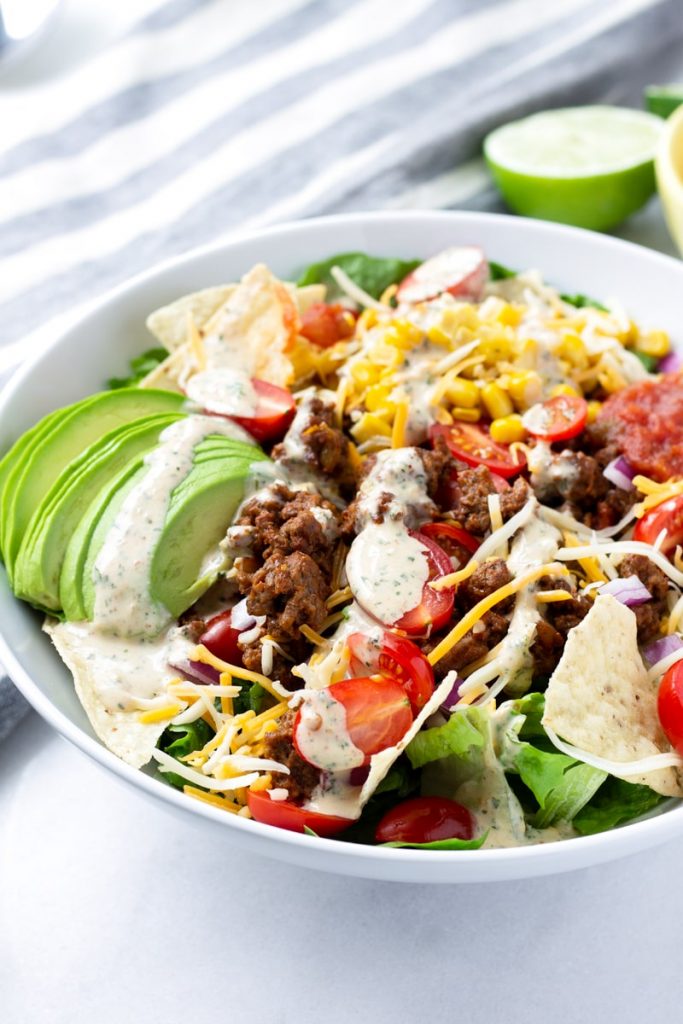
(463, 732)
(441, 844)
(616, 803)
(251, 698)
(371, 273)
(140, 366)
(498, 272)
(181, 740)
(581, 301)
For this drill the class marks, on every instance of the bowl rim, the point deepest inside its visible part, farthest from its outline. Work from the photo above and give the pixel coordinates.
(549, 857)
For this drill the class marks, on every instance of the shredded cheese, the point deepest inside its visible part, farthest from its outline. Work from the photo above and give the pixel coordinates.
(398, 431)
(312, 636)
(551, 596)
(159, 714)
(479, 610)
(492, 543)
(662, 666)
(170, 764)
(201, 653)
(452, 579)
(339, 597)
(211, 798)
(675, 616)
(619, 768)
(655, 493)
(355, 292)
(622, 547)
(589, 564)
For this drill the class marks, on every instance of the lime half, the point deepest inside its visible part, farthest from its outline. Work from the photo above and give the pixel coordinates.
(588, 166)
(663, 99)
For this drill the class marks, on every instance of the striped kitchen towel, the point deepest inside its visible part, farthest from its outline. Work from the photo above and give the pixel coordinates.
(204, 117)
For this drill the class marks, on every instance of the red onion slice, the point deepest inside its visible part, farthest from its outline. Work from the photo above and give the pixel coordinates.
(452, 698)
(629, 591)
(662, 648)
(620, 472)
(197, 672)
(671, 363)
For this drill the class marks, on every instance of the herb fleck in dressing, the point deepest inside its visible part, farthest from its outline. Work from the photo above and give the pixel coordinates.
(121, 577)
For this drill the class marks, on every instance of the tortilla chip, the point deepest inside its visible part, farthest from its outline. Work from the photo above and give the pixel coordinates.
(121, 731)
(600, 699)
(166, 375)
(169, 324)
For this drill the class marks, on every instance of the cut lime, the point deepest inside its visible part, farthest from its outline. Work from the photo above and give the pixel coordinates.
(588, 166)
(663, 99)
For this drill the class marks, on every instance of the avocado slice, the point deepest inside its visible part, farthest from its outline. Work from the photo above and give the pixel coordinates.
(39, 561)
(200, 511)
(65, 437)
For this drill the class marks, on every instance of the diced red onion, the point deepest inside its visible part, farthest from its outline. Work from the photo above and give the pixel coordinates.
(357, 776)
(620, 472)
(662, 648)
(452, 698)
(197, 672)
(671, 363)
(629, 591)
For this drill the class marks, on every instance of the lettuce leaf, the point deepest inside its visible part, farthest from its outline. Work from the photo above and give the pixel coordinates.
(140, 366)
(581, 301)
(441, 844)
(498, 272)
(462, 732)
(251, 698)
(180, 740)
(371, 273)
(616, 803)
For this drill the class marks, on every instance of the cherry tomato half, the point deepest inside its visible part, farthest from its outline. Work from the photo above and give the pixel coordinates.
(377, 709)
(436, 606)
(220, 637)
(425, 819)
(324, 325)
(472, 444)
(456, 542)
(284, 814)
(398, 658)
(274, 412)
(667, 516)
(558, 419)
(461, 270)
(670, 705)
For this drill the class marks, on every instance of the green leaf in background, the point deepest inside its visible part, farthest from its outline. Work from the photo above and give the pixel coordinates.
(181, 740)
(457, 737)
(400, 780)
(140, 366)
(441, 844)
(498, 272)
(649, 362)
(251, 698)
(581, 301)
(309, 832)
(371, 273)
(663, 99)
(614, 804)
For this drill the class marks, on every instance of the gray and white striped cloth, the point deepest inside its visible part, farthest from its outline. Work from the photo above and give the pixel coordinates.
(211, 115)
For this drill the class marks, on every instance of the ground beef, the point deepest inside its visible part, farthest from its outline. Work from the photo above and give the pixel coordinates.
(325, 448)
(492, 628)
(290, 590)
(564, 615)
(650, 614)
(577, 484)
(282, 667)
(546, 649)
(439, 466)
(486, 579)
(303, 777)
(469, 499)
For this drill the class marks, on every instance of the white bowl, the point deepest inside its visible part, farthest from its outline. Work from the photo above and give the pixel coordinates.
(79, 362)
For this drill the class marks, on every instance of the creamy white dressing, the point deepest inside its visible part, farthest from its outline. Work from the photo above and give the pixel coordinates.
(224, 391)
(415, 384)
(292, 465)
(128, 674)
(322, 735)
(123, 605)
(355, 620)
(399, 472)
(537, 543)
(387, 569)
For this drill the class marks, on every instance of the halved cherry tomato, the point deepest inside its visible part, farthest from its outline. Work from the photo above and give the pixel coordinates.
(456, 542)
(667, 516)
(284, 814)
(324, 325)
(670, 706)
(398, 658)
(274, 412)
(436, 606)
(558, 419)
(220, 637)
(472, 444)
(377, 712)
(425, 819)
(461, 270)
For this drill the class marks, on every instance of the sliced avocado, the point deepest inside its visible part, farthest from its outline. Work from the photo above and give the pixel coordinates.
(98, 517)
(200, 511)
(39, 560)
(68, 435)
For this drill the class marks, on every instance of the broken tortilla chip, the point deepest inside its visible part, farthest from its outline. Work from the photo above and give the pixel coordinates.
(169, 324)
(600, 698)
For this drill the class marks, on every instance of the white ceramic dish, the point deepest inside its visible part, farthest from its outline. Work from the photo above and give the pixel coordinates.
(78, 363)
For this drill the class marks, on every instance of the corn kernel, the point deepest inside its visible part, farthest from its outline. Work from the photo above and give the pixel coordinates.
(574, 350)
(438, 336)
(466, 415)
(564, 389)
(526, 388)
(593, 408)
(509, 315)
(370, 425)
(508, 429)
(497, 401)
(442, 415)
(364, 373)
(463, 315)
(402, 334)
(463, 393)
(654, 343)
(367, 319)
(495, 349)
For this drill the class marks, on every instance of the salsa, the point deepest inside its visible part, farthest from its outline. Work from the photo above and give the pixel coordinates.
(647, 423)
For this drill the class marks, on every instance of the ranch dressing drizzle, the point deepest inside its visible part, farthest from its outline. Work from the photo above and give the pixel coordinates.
(226, 391)
(123, 605)
(322, 736)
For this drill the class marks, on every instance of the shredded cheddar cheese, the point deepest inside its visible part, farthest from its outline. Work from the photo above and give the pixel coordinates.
(454, 578)
(201, 653)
